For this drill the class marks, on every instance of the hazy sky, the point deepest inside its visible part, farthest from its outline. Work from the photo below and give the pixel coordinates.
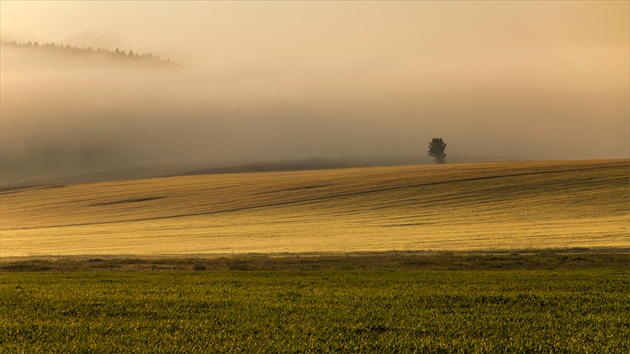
(289, 80)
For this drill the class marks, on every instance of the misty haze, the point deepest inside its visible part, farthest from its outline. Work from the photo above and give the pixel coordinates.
(314, 176)
(255, 91)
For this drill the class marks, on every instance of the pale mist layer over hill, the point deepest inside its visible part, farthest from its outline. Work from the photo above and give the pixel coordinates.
(66, 114)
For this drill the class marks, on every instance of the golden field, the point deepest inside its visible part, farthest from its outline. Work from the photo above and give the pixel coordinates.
(484, 206)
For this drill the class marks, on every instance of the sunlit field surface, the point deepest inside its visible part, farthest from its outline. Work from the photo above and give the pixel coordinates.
(489, 206)
(368, 311)
(496, 257)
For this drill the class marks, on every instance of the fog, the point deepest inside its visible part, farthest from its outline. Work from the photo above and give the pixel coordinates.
(290, 89)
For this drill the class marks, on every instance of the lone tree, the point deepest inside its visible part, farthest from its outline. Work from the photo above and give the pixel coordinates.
(436, 150)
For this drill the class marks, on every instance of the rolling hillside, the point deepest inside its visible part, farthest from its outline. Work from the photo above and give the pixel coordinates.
(490, 206)
(81, 55)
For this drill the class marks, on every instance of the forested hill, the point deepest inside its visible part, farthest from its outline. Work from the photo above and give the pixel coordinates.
(88, 52)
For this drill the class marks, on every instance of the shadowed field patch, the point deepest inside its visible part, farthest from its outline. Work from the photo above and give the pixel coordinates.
(124, 201)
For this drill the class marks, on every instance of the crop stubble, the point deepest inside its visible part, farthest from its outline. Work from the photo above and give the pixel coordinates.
(490, 206)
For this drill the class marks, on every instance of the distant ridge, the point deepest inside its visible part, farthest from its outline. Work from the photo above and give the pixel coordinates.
(277, 166)
(191, 169)
(130, 56)
(203, 168)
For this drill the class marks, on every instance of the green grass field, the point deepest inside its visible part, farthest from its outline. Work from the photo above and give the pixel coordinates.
(367, 310)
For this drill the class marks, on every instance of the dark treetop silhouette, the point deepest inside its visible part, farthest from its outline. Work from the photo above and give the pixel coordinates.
(436, 150)
(61, 49)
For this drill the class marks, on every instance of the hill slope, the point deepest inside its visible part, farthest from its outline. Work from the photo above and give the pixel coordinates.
(525, 205)
(76, 55)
